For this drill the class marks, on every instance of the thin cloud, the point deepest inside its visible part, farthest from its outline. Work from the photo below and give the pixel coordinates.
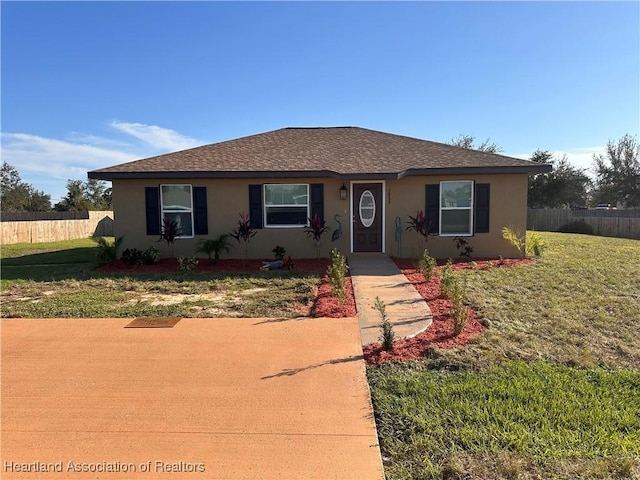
(57, 158)
(47, 163)
(159, 138)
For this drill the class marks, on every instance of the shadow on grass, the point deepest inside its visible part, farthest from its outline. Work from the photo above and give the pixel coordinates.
(59, 257)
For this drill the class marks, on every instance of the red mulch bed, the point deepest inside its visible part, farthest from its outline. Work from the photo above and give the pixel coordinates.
(440, 333)
(325, 305)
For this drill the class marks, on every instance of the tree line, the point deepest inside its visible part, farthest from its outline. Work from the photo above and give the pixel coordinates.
(19, 196)
(616, 182)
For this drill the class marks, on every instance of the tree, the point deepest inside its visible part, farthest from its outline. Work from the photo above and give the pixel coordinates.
(618, 173)
(18, 196)
(466, 141)
(82, 196)
(564, 187)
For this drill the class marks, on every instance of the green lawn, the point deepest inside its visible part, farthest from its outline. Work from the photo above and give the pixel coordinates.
(59, 280)
(550, 390)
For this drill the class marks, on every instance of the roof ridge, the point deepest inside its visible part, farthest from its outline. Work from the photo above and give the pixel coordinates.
(319, 128)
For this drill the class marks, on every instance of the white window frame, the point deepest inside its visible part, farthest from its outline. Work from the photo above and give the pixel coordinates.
(469, 208)
(299, 205)
(169, 210)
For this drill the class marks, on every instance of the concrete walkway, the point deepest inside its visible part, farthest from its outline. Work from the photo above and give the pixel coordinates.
(376, 275)
(207, 399)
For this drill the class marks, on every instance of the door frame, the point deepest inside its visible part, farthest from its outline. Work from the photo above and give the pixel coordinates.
(384, 212)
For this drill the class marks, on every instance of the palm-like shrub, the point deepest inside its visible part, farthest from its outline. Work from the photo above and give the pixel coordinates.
(107, 251)
(213, 247)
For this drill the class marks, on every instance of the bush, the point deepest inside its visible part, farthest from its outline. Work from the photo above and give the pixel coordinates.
(459, 311)
(279, 252)
(527, 245)
(446, 281)
(132, 256)
(337, 273)
(187, 264)
(426, 265)
(107, 252)
(213, 247)
(577, 226)
(388, 336)
(150, 256)
(534, 245)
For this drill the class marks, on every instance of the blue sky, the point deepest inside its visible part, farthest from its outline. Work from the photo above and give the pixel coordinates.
(86, 85)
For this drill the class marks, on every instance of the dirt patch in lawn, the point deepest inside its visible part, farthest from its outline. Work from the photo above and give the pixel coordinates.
(324, 305)
(440, 334)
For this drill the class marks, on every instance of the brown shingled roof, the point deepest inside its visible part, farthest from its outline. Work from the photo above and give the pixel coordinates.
(342, 152)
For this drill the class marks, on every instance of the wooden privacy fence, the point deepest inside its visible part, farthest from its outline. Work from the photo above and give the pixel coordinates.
(608, 223)
(34, 227)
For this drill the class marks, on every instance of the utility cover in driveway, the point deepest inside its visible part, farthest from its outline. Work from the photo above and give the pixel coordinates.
(207, 399)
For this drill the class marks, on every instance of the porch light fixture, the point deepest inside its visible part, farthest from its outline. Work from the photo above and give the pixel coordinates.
(343, 192)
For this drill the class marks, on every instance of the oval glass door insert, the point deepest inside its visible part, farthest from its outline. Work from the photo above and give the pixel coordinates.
(367, 208)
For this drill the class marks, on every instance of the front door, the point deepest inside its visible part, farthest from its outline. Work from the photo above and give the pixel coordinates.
(367, 217)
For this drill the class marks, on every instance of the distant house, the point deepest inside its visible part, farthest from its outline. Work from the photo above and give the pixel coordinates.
(367, 180)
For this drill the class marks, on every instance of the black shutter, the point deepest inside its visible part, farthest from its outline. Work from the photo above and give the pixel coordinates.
(152, 210)
(432, 207)
(482, 208)
(255, 205)
(317, 200)
(200, 226)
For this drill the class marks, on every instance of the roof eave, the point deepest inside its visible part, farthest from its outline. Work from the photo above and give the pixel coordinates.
(497, 170)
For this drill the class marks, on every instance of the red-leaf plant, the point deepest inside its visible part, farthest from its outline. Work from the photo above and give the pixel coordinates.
(317, 227)
(244, 232)
(419, 225)
(169, 232)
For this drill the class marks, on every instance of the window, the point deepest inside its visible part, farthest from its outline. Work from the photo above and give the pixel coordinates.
(176, 203)
(286, 205)
(456, 208)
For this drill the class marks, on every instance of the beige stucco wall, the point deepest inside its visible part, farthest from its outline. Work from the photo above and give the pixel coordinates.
(229, 197)
(508, 207)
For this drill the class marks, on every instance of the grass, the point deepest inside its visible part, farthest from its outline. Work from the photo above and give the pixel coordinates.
(538, 413)
(550, 390)
(59, 280)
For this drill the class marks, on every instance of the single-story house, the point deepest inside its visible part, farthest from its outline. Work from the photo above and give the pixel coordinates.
(364, 183)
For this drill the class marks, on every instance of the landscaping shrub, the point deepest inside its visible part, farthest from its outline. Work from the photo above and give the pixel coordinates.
(459, 311)
(426, 265)
(337, 273)
(577, 226)
(132, 256)
(107, 252)
(151, 255)
(534, 245)
(446, 281)
(388, 335)
(279, 252)
(527, 244)
(244, 232)
(214, 247)
(187, 264)
(170, 232)
(317, 227)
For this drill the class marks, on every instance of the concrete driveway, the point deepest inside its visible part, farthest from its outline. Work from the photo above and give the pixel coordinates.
(206, 399)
